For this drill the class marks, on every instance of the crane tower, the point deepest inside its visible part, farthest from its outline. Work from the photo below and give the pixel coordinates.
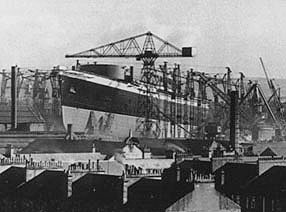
(146, 47)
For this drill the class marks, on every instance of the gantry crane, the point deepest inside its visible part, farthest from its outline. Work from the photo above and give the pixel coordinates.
(279, 110)
(146, 47)
(5, 78)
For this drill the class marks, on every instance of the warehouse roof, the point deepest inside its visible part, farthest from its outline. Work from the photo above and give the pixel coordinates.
(76, 146)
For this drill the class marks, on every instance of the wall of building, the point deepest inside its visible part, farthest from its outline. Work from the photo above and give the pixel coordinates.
(132, 152)
(266, 133)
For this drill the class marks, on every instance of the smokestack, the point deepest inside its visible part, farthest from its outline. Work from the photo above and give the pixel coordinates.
(13, 97)
(233, 118)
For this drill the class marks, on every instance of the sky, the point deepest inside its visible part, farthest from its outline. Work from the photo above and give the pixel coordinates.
(234, 33)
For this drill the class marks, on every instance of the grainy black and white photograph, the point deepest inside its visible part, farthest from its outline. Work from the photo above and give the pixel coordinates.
(142, 106)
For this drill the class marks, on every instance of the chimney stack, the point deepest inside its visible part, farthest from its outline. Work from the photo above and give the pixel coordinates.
(233, 119)
(93, 148)
(13, 97)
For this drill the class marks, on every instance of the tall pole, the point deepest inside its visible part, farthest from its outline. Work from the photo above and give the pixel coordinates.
(233, 119)
(13, 97)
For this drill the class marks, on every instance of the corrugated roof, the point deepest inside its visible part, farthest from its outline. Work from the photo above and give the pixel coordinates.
(25, 114)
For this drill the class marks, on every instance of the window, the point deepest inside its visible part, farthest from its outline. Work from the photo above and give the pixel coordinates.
(237, 199)
(72, 90)
(272, 205)
(252, 203)
(278, 205)
(247, 202)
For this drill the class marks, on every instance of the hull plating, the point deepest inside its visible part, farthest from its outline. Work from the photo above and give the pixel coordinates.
(117, 126)
(104, 107)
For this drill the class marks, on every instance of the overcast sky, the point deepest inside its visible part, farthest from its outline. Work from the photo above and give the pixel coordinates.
(38, 33)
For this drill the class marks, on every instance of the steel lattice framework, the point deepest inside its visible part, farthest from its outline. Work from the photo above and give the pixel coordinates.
(146, 47)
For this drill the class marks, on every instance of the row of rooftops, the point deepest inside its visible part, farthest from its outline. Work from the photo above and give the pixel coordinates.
(158, 147)
(95, 190)
(244, 174)
(255, 187)
(54, 188)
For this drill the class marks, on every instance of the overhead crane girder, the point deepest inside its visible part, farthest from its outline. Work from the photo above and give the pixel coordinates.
(143, 46)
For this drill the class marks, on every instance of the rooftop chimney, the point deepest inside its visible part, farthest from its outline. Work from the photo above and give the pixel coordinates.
(93, 148)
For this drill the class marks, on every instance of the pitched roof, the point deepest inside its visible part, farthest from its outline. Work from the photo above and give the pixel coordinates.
(270, 181)
(91, 185)
(155, 194)
(47, 185)
(76, 146)
(268, 152)
(201, 167)
(11, 178)
(278, 148)
(192, 146)
(150, 183)
(25, 114)
(238, 166)
(156, 146)
(205, 198)
(238, 173)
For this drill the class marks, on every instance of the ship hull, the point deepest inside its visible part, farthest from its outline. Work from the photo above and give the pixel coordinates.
(114, 126)
(107, 108)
